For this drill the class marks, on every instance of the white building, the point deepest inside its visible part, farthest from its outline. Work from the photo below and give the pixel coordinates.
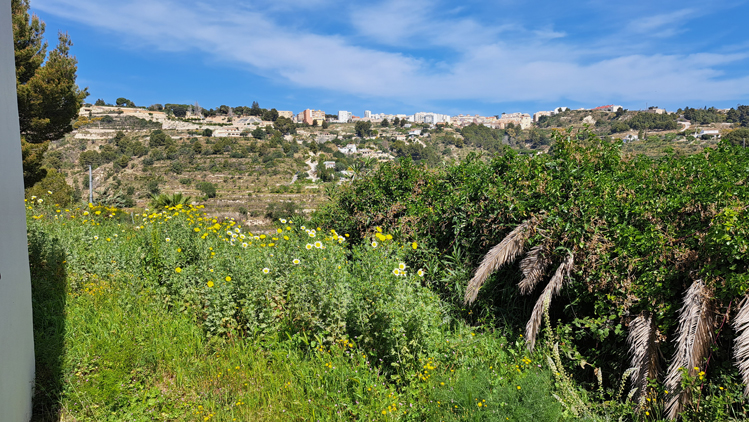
(344, 116)
(430, 118)
(537, 115)
(348, 149)
(710, 132)
(367, 114)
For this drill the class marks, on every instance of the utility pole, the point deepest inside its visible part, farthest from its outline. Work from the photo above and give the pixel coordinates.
(90, 187)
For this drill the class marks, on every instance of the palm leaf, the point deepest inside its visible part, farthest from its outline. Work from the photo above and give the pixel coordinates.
(644, 352)
(695, 333)
(505, 252)
(741, 346)
(533, 267)
(552, 289)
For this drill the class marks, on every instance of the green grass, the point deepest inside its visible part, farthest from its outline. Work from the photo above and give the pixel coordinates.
(121, 335)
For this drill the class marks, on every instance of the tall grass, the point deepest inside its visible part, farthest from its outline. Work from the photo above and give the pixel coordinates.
(176, 318)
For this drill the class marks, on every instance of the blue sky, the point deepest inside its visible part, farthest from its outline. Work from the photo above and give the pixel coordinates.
(403, 57)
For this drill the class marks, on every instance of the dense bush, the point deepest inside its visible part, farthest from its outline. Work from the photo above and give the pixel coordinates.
(641, 232)
(208, 189)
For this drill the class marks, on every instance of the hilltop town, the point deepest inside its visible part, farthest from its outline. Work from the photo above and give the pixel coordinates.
(253, 163)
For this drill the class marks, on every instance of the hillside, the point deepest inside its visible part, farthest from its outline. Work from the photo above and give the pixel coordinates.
(245, 168)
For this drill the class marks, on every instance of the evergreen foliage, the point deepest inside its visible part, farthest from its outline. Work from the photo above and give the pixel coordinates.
(48, 98)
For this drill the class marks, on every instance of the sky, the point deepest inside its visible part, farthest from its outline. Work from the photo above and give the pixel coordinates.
(450, 57)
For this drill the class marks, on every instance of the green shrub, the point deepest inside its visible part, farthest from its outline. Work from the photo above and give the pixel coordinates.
(208, 189)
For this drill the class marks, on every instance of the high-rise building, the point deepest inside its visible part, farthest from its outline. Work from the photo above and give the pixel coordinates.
(367, 114)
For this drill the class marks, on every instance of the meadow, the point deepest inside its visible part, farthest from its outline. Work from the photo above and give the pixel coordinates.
(174, 315)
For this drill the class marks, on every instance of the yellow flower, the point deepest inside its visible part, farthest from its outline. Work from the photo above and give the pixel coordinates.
(179, 249)
(378, 229)
(286, 238)
(279, 230)
(178, 270)
(210, 283)
(518, 387)
(262, 236)
(414, 245)
(196, 229)
(227, 278)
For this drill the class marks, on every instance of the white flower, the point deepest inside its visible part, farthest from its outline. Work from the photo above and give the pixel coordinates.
(401, 266)
(282, 220)
(296, 261)
(420, 272)
(244, 245)
(374, 244)
(396, 271)
(266, 270)
(167, 239)
(308, 246)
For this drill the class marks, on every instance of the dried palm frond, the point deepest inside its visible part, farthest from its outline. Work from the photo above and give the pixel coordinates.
(644, 353)
(505, 252)
(741, 346)
(533, 267)
(695, 333)
(552, 289)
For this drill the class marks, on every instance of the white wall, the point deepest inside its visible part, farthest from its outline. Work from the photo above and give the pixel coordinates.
(16, 330)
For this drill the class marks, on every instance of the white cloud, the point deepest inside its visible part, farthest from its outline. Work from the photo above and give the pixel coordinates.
(662, 25)
(543, 66)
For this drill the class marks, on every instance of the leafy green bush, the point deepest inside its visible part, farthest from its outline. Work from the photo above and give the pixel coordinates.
(278, 210)
(630, 224)
(53, 189)
(208, 189)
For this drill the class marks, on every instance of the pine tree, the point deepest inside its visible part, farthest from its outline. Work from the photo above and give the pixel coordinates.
(48, 98)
